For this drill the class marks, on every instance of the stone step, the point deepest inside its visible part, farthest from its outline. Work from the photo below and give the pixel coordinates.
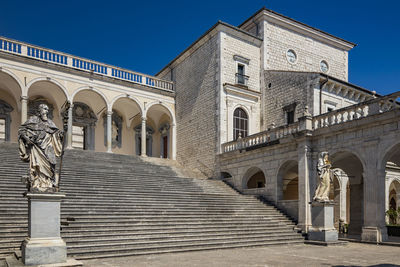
(80, 253)
(120, 205)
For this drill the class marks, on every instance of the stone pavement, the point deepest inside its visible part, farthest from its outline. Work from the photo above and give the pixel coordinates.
(354, 254)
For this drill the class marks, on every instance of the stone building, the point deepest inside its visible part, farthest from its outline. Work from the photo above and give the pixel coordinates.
(252, 104)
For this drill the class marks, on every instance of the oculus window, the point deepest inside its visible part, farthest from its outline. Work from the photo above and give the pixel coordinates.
(291, 56)
(324, 66)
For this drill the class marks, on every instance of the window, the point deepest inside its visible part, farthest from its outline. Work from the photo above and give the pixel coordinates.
(241, 64)
(240, 123)
(324, 66)
(240, 77)
(290, 116)
(289, 111)
(291, 56)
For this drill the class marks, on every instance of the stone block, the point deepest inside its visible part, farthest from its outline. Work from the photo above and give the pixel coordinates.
(37, 251)
(44, 244)
(323, 223)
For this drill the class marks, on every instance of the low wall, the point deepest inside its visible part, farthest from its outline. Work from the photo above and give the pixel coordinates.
(291, 207)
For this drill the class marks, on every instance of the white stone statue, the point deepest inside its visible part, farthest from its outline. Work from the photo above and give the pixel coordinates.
(40, 142)
(325, 175)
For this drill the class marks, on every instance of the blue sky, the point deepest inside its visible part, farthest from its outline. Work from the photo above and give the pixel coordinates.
(145, 35)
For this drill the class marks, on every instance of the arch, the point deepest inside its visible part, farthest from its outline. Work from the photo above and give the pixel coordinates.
(392, 153)
(92, 89)
(47, 79)
(254, 177)
(171, 114)
(336, 151)
(164, 124)
(134, 99)
(351, 166)
(287, 175)
(12, 86)
(16, 79)
(240, 123)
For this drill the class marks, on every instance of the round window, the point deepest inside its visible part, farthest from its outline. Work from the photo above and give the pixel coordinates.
(324, 66)
(291, 56)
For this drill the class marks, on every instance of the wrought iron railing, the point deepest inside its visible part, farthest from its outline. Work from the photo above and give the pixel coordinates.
(241, 79)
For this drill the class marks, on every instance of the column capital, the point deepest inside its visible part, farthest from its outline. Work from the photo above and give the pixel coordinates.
(109, 112)
(24, 97)
(173, 124)
(144, 119)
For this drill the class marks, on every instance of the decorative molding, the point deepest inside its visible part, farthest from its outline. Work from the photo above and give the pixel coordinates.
(249, 95)
(241, 59)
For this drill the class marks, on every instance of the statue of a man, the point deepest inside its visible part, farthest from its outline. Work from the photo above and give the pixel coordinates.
(40, 142)
(325, 175)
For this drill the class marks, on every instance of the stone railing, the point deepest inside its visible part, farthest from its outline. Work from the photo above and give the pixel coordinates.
(371, 107)
(48, 55)
(261, 137)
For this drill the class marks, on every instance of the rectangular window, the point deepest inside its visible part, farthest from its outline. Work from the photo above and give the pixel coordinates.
(290, 117)
(240, 75)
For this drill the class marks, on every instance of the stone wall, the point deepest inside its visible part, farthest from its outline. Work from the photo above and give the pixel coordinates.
(310, 52)
(233, 46)
(196, 83)
(283, 89)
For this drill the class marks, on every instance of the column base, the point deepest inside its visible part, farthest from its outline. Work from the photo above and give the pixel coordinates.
(374, 234)
(37, 251)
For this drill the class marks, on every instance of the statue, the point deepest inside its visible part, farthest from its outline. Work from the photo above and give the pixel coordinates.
(325, 177)
(40, 143)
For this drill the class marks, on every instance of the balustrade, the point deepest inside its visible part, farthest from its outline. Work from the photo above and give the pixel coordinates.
(261, 138)
(357, 111)
(11, 46)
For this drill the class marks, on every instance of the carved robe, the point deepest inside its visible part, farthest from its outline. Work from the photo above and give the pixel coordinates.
(40, 142)
(325, 176)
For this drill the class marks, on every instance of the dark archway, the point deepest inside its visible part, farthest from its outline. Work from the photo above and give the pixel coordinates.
(352, 167)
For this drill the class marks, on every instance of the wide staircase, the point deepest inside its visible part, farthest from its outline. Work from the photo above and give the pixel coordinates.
(120, 205)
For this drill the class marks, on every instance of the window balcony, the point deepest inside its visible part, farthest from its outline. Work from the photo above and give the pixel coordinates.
(241, 79)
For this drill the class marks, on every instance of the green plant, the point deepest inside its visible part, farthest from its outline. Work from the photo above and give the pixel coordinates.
(393, 215)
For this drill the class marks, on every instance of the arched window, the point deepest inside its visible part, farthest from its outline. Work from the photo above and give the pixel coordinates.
(240, 123)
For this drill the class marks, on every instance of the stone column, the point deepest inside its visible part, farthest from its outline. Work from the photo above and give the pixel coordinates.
(374, 226)
(24, 109)
(109, 124)
(70, 120)
(173, 141)
(343, 199)
(305, 175)
(143, 137)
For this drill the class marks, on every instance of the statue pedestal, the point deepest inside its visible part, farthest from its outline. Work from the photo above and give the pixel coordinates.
(323, 231)
(44, 244)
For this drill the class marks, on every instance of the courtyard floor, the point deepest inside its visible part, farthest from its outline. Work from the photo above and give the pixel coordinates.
(353, 254)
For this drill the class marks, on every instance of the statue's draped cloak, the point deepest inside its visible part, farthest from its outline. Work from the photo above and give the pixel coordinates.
(41, 151)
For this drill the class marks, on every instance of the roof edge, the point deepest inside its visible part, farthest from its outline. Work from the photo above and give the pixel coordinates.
(264, 9)
(204, 35)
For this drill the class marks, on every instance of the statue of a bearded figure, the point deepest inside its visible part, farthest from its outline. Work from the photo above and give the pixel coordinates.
(325, 175)
(40, 142)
